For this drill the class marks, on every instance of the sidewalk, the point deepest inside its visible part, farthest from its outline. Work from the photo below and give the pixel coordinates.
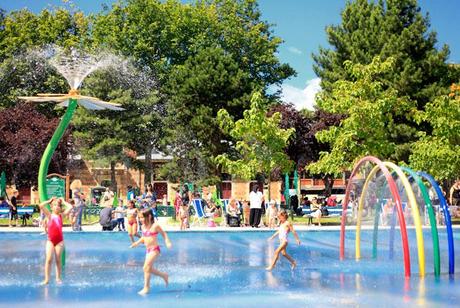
(169, 228)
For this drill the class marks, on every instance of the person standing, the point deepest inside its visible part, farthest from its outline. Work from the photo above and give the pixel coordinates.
(177, 203)
(454, 196)
(55, 242)
(255, 199)
(107, 198)
(120, 215)
(79, 205)
(14, 208)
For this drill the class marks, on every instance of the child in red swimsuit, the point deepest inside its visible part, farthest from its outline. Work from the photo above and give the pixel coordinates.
(150, 231)
(55, 242)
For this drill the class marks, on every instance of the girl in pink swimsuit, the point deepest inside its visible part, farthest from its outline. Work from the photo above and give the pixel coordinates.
(55, 242)
(150, 231)
(283, 231)
(132, 214)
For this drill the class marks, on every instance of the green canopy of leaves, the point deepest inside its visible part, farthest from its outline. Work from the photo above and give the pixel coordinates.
(260, 142)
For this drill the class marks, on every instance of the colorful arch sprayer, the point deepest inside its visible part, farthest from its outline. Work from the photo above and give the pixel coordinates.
(391, 171)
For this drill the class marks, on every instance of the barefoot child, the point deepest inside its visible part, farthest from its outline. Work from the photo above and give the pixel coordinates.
(150, 231)
(55, 242)
(285, 227)
(272, 214)
(183, 215)
(131, 214)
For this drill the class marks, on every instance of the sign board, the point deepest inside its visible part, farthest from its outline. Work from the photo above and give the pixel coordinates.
(56, 187)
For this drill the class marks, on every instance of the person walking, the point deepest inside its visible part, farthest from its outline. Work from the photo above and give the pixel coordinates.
(255, 203)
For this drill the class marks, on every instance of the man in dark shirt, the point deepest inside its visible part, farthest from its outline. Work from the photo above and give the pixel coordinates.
(105, 219)
(14, 208)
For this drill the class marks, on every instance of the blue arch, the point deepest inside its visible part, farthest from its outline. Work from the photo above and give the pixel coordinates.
(445, 209)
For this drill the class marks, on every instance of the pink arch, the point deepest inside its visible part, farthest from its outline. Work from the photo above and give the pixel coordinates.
(397, 198)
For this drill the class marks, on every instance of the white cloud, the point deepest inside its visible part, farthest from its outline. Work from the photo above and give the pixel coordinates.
(301, 98)
(295, 50)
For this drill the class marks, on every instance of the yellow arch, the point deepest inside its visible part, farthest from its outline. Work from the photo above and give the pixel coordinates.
(360, 210)
(415, 214)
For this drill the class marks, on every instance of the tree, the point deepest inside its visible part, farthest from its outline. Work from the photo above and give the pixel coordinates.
(370, 108)
(301, 144)
(23, 70)
(389, 28)
(260, 142)
(439, 153)
(207, 55)
(24, 135)
(303, 147)
(108, 137)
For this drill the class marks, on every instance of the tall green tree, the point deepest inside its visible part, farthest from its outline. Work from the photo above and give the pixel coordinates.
(439, 152)
(109, 137)
(370, 107)
(23, 71)
(207, 55)
(389, 28)
(260, 142)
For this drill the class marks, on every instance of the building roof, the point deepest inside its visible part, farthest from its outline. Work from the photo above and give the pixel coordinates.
(157, 157)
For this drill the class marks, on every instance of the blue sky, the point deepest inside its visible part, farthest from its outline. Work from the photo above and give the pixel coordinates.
(301, 24)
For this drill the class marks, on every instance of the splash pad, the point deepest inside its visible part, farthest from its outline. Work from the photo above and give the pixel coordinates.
(382, 193)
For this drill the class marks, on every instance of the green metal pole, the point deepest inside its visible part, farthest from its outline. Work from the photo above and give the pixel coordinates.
(52, 145)
(432, 217)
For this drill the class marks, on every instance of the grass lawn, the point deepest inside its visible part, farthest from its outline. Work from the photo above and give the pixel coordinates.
(4, 222)
(89, 220)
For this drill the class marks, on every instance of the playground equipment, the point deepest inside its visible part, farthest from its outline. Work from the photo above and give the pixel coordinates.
(74, 66)
(373, 183)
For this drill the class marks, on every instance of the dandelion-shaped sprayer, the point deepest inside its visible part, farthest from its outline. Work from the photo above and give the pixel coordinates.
(74, 66)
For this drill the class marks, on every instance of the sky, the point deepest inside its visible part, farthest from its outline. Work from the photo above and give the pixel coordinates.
(301, 24)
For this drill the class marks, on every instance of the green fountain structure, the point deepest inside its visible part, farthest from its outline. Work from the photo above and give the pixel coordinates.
(74, 66)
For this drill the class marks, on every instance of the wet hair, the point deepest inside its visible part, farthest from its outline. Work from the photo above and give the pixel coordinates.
(148, 216)
(284, 214)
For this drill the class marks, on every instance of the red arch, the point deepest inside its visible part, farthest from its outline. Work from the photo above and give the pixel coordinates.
(397, 198)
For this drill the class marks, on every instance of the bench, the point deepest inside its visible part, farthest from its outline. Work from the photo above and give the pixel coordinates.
(333, 211)
(5, 211)
(162, 211)
(23, 213)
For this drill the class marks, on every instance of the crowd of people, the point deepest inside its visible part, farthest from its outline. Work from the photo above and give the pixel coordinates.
(255, 212)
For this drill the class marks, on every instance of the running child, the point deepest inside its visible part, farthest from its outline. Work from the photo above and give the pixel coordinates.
(283, 231)
(149, 238)
(55, 242)
(131, 214)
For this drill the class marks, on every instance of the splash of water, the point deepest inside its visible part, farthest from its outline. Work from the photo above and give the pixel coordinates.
(74, 65)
